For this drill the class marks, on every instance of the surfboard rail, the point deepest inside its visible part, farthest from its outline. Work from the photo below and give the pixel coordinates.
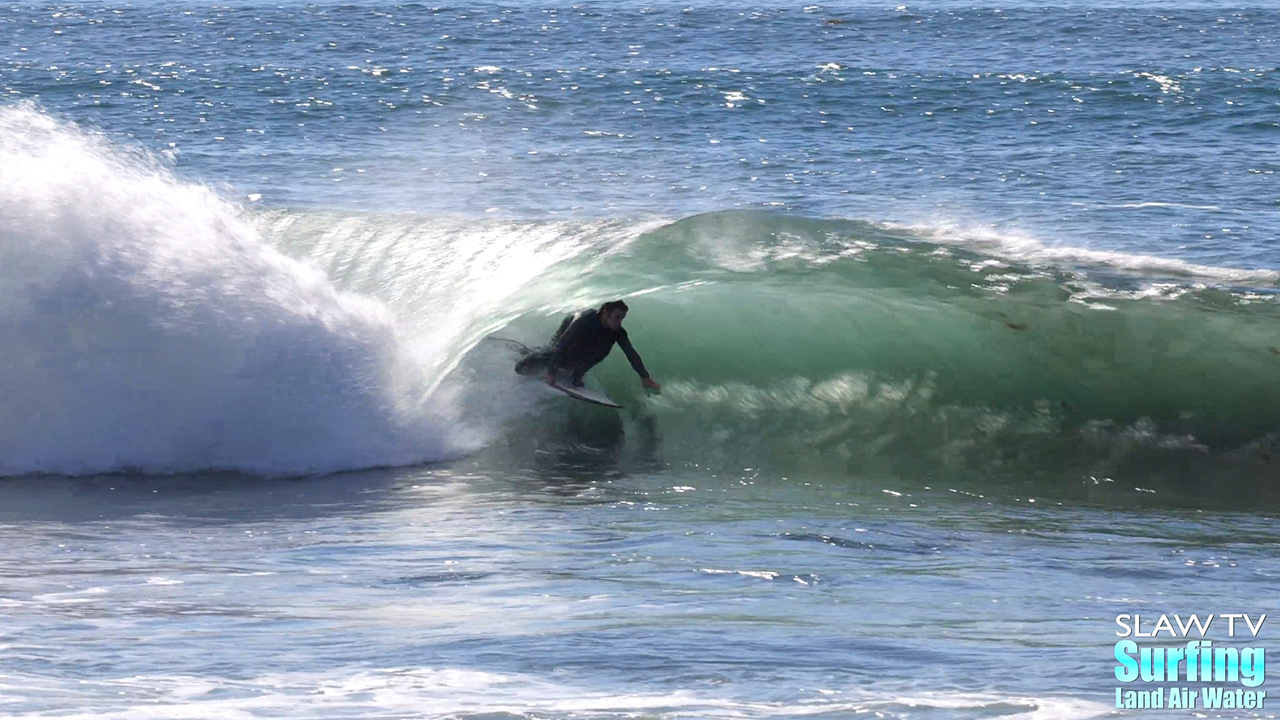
(564, 383)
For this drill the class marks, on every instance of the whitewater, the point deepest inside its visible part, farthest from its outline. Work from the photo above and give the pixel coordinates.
(966, 320)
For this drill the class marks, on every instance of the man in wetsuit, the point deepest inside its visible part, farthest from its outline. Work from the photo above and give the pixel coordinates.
(583, 340)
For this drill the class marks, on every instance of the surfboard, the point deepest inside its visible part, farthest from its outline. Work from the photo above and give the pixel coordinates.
(564, 383)
(564, 380)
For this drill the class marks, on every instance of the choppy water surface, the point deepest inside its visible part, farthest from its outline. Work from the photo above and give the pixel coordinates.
(590, 593)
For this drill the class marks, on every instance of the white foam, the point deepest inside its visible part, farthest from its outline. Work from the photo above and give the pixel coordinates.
(145, 325)
(816, 398)
(760, 574)
(1032, 251)
(1144, 205)
(454, 692)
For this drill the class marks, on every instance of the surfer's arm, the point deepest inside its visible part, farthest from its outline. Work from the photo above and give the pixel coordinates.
(633, 357)
(564, 325)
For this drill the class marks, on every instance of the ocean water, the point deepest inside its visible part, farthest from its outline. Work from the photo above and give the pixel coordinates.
(966, 317)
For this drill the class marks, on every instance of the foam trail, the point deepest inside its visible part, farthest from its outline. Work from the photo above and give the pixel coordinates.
(1029, 250)
(145, 326)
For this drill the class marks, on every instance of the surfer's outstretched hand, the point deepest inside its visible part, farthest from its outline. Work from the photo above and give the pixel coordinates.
(650, 383)
(550, 377)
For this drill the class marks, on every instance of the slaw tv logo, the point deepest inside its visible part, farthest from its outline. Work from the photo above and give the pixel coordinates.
(1163, 668)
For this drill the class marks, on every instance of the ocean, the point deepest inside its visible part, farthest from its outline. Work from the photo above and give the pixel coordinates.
(965, 315)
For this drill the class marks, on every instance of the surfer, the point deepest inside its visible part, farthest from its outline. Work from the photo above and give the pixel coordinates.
(583, 340)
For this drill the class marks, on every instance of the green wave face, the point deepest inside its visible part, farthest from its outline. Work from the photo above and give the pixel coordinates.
(839, 350)
(848, 349)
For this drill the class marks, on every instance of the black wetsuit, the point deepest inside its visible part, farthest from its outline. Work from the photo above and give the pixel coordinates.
(581, 342)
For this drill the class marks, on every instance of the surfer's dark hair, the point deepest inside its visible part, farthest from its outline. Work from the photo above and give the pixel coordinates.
(614, 305)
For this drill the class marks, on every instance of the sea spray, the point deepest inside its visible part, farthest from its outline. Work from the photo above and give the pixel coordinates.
(144, 325)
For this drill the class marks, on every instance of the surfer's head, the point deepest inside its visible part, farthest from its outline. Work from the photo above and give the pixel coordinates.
(612, 313)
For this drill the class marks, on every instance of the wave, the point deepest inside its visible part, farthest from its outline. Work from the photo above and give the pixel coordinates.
(861, 349)
(864, 349)
(150, 324)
